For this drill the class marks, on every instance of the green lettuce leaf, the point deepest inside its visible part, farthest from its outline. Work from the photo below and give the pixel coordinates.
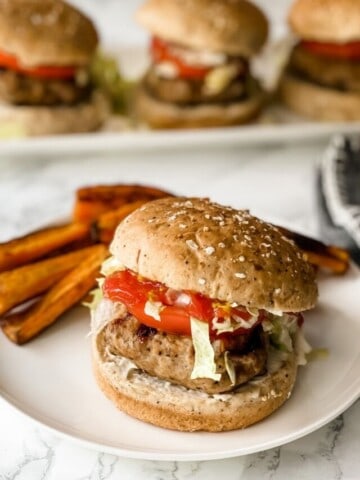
(204, 365)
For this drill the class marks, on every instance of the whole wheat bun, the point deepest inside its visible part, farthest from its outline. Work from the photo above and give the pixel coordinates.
(159, 114)
(320, 103)
(335, 21)
(46, 32)
(223, 253)
(170, 406)
(35, 121)
(235, 27)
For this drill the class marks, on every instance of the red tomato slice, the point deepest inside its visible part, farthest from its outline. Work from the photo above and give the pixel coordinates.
(11, 62)
(161, 52)
(134, 292)
(348, 51)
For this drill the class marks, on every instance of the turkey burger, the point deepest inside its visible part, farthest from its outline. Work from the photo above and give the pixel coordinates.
(322, 80)
(200, 51)
(197, 325)
(45, 51)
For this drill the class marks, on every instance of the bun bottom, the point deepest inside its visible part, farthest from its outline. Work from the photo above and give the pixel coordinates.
(159, 114)
(320, 103)
(174, 407)
(35, 121)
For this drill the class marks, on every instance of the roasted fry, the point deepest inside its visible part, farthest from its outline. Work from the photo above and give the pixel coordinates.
(22, 327)
(24, 283)
(91, 202)
(33, 246)
(328, 257)
(106, 224)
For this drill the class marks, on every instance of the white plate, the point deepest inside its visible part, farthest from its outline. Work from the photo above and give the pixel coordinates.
(140, 140)
(276, 125)
(50, 381)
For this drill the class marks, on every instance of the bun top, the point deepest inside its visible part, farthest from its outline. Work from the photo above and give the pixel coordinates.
(234, 27)
(46, 32)
(335, 21)
(223, 253)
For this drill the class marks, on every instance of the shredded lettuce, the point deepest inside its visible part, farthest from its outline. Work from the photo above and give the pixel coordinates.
(302, 347)
(219, 78)
(222, 325)
(317, 354)
(153, 309)
(204, 365)
(281, 331)
(11, 129)
(111, 265)
(97, 296)
(230, 368)
(105, 73)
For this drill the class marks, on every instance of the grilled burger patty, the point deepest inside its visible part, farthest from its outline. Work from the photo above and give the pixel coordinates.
(20, 89)
(333, 73)
(171, 357)
(191, 91)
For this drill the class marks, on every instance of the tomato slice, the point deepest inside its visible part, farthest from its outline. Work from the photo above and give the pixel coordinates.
(347, 51)
(161, 51)
(10, 61)
(177, 308)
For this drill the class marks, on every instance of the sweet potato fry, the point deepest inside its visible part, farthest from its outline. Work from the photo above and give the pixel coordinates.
(35, 245)
(106, 224)
(22, 327)
(91, 202)
(327, 257)
(25, 283)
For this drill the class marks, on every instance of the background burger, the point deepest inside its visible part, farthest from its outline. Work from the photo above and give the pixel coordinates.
(45, 51)
(198, 322)
(200, 52)
(322, 79)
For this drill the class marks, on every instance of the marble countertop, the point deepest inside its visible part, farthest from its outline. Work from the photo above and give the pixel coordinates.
(275, 182)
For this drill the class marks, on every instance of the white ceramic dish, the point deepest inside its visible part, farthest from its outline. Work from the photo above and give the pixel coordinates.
(134, 141)
(50, 381)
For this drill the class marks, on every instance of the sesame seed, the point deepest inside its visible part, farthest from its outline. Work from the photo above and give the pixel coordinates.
(201, 281)
(182, 225)
(236, 238)
(277, 291)
(188, 204)
(191, 244)
(247, 237)
(221, 245)
(205, 229)
(207, 216)
(209, 250)
(222, 223)
(240, 275)
(241, 258)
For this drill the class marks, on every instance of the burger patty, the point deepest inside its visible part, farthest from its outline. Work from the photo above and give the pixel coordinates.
(191, 91)
(20, 89)
(171, 357)
(333, 73)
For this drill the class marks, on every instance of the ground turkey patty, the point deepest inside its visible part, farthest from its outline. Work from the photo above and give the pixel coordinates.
(171, 357)
(20, 89)
(187, 92)
(328, 72)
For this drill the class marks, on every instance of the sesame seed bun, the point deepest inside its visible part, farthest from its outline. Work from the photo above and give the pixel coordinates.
(223, 253)
(34, 121)
(235, 27)
(46, 32)
(326, 20)
(171, 406)
(159, 114)
(318, 102)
